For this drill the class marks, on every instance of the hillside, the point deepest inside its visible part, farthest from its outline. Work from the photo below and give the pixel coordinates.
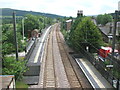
(8, 12)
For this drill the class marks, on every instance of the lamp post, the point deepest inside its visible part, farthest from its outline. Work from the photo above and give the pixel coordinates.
(44, 22)
(23, 27)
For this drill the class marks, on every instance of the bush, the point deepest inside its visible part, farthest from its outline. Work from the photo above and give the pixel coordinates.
(13, 67)
(64, 32)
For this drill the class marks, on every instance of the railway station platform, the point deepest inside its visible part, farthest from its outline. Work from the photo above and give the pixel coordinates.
(31, 76)
(92, 74)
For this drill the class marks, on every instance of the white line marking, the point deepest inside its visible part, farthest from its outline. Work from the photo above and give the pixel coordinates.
(40, 47)
(85, 74)
(96, 79)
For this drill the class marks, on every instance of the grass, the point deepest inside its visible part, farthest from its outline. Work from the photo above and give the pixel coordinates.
(20, 84)
(21, 58)
(64, 32)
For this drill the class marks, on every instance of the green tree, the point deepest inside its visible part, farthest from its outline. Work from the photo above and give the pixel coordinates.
(8, 45)
(73, 33)
(31, 23)
(13, 67)
(85, 33)
(103, 19)
(99, 19)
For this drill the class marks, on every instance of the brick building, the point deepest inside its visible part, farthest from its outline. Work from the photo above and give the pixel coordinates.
(68, 24)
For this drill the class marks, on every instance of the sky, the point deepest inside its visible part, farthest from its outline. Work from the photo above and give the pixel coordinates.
(63, 7)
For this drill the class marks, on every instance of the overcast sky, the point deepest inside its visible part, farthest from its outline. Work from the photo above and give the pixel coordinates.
(63, 7)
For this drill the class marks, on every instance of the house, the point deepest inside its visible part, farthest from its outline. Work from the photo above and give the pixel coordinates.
(35, 33)
(107, 31)
(68, 24)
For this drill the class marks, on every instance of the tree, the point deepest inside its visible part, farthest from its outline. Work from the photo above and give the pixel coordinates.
(31, 23)
(99, 19)
(86, 33)
(8, 40)
(73, 28)
(13, 67)
(104, 19)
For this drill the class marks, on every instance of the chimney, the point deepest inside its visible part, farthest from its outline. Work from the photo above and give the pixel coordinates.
(80, 13)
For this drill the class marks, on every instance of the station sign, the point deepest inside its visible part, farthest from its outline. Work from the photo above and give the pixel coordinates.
(109, 66)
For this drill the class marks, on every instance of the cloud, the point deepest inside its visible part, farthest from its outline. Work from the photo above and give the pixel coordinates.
(63, 7)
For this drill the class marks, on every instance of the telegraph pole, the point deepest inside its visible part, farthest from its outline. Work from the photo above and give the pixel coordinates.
(23, 28)
(114, 32)
(15, 36)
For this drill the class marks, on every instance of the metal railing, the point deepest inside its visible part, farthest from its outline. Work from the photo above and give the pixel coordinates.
(31, 45)
(108, 73)
(11, 85)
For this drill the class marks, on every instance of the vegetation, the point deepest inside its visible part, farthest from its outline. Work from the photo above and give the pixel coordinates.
(104, 19)
(84, 33)
(8, 45)
(36, 22)
(20, 84)
(8, 12)
(13, 67)
(31, 23)
(10, 65)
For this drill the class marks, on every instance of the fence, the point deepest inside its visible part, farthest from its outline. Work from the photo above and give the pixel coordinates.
(7, 82)
(30, 47)
(11, 85)
(108, 72)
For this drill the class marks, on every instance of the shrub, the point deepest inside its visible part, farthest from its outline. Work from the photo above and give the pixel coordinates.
(13, 67)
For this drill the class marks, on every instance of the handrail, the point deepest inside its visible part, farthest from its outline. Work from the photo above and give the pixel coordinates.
(29, 51)
(8, 87)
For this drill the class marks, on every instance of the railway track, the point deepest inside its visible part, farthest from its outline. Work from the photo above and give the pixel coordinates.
(57, 69)
(80, 77)
(49, 79)
(72, 77)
